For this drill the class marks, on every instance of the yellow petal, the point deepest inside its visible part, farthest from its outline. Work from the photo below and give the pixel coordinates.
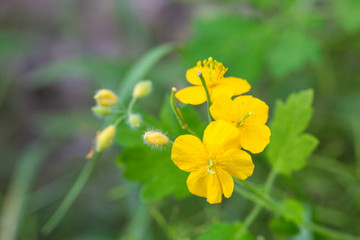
(237, 163)
(226, 181)
(223, 108)
(258, 108)
(188, 153)
(198, 182)
(254, 136)
(192, 75)
(238, 85)
(220, 136)
(192, 95)
(214, 191)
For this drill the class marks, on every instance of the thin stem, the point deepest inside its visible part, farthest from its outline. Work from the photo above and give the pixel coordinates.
(161, 221)
(178, 113)
(257, 209)
(207, 95)
(72, 194)
(265, 201)
(131, 105)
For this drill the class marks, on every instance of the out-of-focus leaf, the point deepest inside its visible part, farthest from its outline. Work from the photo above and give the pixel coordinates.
(292, 210)
(225, 231)
(127, 136)
(289, 147)
(237, 42)
(141, 68)
(292, 52)
(15, 199)
(106, 72)
(153, 166)
(283, 226)
(347, 14)
(155, 169)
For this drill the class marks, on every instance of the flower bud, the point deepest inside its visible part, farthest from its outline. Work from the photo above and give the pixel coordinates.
(134, 120)
(101, 111)
(105, 138)
(156, 139)
(142, 89)
(106, 98)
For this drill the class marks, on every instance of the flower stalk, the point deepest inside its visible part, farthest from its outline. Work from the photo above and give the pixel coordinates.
(178, 113)
(207, 95)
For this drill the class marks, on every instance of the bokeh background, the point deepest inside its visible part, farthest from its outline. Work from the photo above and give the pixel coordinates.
(55, 54)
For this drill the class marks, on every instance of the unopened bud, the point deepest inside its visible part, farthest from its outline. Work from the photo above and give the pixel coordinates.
(106, 98)
(105, 138)
(142, 89)
(156, 139)
(101, 111)
(134, 120)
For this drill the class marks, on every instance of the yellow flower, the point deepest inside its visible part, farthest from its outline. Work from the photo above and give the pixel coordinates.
(213, 73)
(213, 162)
(106, 98)
(249, 115)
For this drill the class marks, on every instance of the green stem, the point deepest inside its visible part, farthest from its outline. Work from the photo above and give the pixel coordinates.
(257, 209)
(203, 82)
(265, 201)
(159, 218)
(72, 194)
(131, 105)
(178, 113)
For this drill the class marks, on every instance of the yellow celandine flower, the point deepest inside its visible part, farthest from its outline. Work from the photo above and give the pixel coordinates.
(106, 98)
(213, 73)
(248, 115)
(213, 162)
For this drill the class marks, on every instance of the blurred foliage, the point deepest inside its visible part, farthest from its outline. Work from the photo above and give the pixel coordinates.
(279, 46)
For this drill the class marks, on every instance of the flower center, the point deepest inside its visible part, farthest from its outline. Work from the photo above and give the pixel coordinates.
(211, 164)
(245, 116)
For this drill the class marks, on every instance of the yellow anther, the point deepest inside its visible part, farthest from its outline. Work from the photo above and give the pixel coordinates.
(245, 116)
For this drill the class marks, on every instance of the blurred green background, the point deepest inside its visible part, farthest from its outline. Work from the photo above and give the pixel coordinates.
(54, 55)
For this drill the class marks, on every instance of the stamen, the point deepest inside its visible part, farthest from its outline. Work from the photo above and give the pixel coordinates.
(208, 169)
(245, 116)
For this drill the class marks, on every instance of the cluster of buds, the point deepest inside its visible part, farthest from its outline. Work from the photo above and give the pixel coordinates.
(105, 99)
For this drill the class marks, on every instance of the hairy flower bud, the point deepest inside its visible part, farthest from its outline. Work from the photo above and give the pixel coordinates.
(134, 120)
(106, 98)
(142, 89)
(101, 111)
(105, 138)
(156, 139)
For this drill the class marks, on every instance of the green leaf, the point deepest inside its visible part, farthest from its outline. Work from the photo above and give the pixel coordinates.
(155, 169)
(152, 166)
(289, 147)
(224, 231)
(282, 226)
(141, 68)
(347, 14)
(127, 136)
(293, 210)
(239, 43)
(106, 72)
(292, 52)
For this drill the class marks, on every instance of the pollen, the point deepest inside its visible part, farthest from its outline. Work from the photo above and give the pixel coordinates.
(156, 139)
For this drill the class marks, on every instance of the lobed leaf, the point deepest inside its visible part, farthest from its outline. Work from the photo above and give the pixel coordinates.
(289, 147)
